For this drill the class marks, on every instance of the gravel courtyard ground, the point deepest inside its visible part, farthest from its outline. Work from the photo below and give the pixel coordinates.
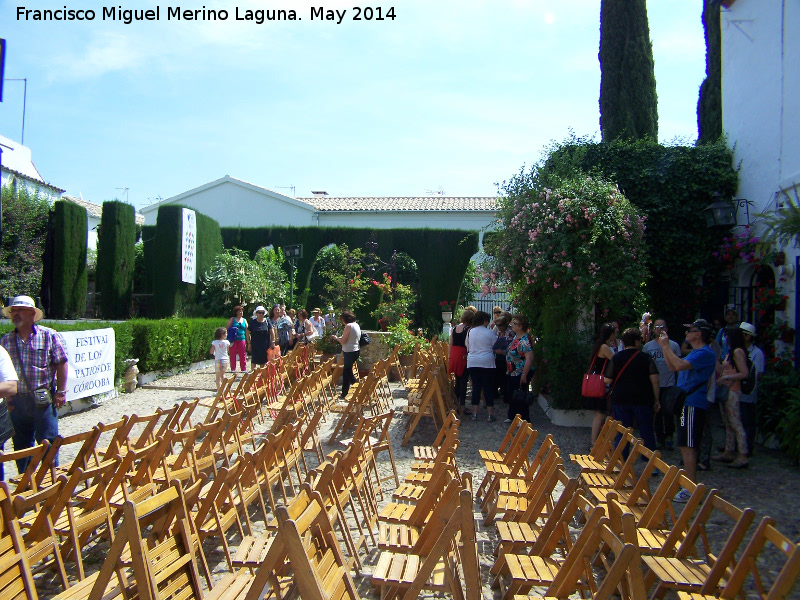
(770, 485)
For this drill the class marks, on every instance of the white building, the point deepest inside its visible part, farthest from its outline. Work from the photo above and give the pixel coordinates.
(761, 113)
(18, 171)
(236, 203)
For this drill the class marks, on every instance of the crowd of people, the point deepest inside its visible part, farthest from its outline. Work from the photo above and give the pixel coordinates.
(265, 335)
(666, 389)
(495, 352)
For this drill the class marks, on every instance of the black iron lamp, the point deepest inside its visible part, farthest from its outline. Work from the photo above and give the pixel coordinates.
(720, 213)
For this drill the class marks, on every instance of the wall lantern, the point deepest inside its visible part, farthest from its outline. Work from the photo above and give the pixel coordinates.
(719, 213)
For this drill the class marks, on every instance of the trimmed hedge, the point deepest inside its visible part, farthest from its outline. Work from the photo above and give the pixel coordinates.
(171, 295)
(65, 279)
(442, 255)
(116, 259)
(159, 345)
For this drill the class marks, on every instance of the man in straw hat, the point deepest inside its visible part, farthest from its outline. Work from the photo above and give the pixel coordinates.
(40, 359)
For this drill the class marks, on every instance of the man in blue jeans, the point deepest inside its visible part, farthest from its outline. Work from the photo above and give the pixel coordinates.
(40, 359)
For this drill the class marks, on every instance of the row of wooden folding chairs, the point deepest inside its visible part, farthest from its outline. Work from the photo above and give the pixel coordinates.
(80, 501)
(677, 552)
(154, 556)
(427, 533)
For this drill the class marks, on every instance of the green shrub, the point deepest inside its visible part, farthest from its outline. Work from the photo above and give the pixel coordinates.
(235, 278)
(116, 259)
(25, 219)
(65, 281)
(158, 344)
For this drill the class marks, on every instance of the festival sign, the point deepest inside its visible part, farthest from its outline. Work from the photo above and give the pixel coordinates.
(91, 362)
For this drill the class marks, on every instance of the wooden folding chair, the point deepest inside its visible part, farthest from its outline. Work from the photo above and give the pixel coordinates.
(88, 513)
(704, 569)
(769, 584)
(16, 581)
(158, 565)
(25, 482)
(82, 457)
(625, 484)
(528, 528)
(402, 535)
(512, 504)
(660, 531)
(603, 449)
(431, 564)
(620, 576)
(217, 511)
(540, 567)
(36, 513)
(514, 463)
(445, 438)
(519, 485)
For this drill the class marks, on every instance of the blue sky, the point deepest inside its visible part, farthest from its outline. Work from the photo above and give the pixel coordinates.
(448, 95)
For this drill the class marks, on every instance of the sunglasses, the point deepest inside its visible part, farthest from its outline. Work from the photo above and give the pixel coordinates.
(692, 330)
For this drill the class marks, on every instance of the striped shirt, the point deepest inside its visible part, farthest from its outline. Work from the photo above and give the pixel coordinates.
(40, 354)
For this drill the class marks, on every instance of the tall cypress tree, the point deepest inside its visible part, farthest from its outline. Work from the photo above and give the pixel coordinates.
(628, 101)
(709, 104)
(115, 259)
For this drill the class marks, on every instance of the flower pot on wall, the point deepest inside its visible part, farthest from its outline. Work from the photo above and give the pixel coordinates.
(447, 316)
(787, 337)
(781, 305)
(780, 259)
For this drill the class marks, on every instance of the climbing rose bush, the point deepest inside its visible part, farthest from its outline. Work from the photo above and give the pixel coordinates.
(581, 241)
(572, 254)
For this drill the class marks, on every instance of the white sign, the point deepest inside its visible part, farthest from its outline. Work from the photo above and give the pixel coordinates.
(91, 362)
(189, 246)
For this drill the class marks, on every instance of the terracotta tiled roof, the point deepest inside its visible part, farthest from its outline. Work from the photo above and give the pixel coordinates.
(420, 203)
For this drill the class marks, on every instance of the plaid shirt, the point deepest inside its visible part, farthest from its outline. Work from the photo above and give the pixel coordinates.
(41, 352)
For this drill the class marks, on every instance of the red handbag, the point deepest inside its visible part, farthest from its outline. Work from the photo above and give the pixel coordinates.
(593, 385)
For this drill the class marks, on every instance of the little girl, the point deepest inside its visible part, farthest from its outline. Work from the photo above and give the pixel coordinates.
(219, 348)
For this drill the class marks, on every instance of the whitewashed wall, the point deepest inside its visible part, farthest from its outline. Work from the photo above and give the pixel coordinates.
(761, 103)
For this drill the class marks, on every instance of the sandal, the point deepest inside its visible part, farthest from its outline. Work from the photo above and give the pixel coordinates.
(725, 457)
(739, 464)
(467, 411)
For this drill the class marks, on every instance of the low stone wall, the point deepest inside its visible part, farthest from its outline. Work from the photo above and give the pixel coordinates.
(565, 418)
(377, 350)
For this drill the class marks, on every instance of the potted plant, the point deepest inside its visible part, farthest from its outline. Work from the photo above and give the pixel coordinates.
(326, 345)
(400, 335)
(447, 310)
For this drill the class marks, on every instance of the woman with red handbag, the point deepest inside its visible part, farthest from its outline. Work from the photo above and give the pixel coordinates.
(594, 388)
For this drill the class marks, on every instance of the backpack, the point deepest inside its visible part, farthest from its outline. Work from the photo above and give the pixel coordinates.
(233, 331)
